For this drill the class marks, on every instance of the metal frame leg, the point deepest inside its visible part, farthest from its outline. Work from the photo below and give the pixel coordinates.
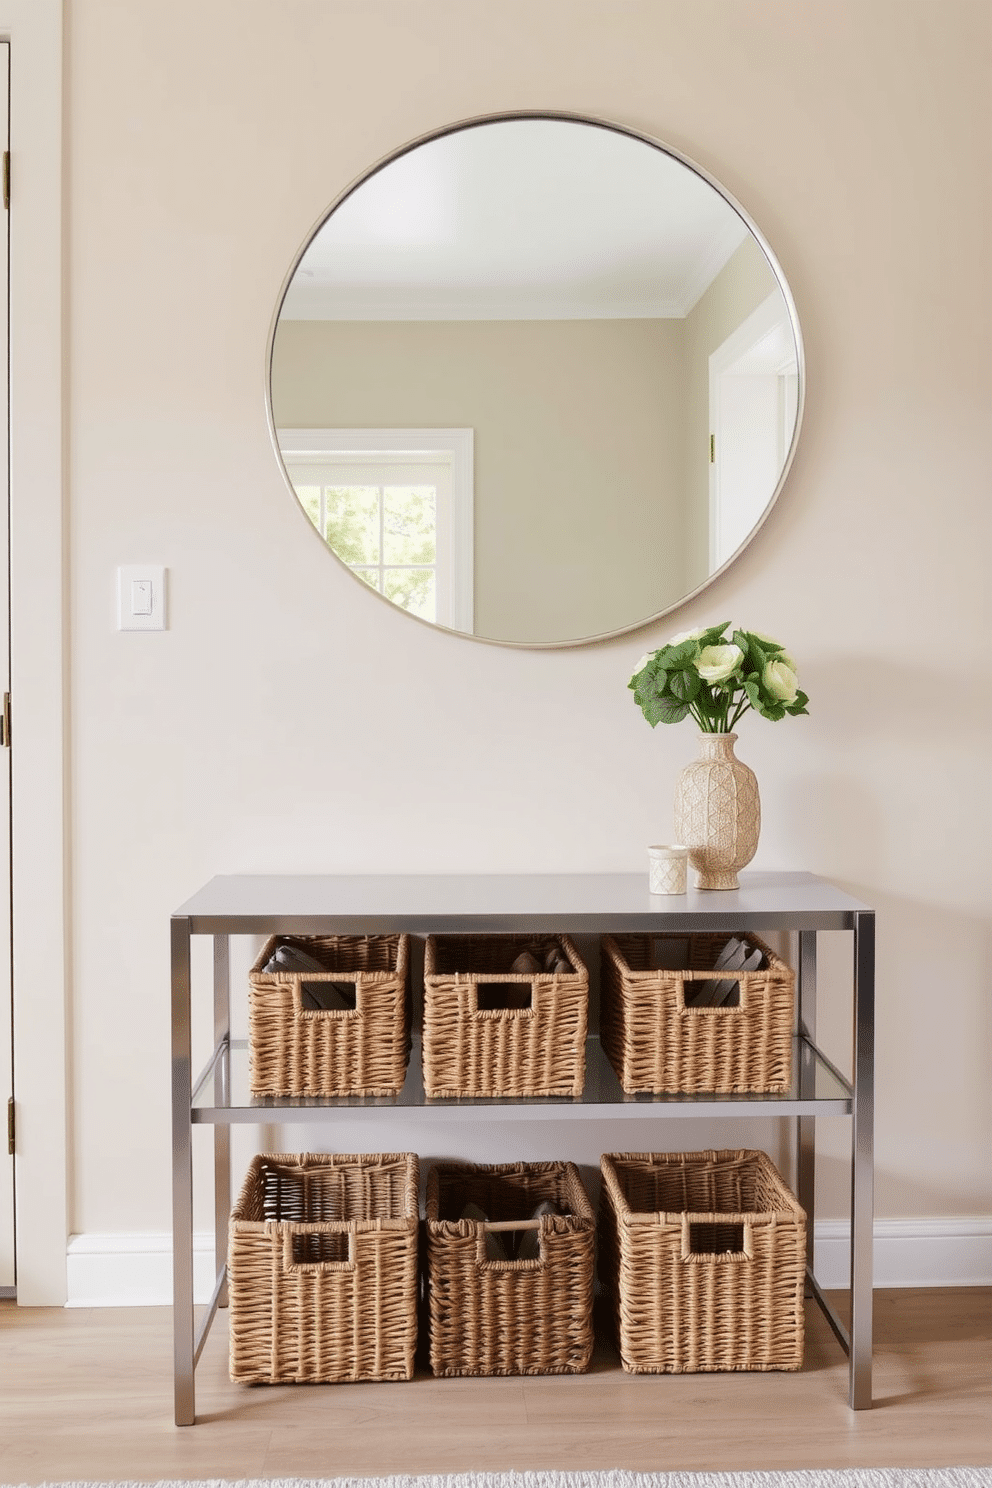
(182, 1175)
(806, 1125)
(222, 1131)
(862, 1160)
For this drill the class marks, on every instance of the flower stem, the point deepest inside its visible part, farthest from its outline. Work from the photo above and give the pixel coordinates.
(742, 708)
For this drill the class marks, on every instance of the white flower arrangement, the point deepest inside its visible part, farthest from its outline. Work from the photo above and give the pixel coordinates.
(715, 681)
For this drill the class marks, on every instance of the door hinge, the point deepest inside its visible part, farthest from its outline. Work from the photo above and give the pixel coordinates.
(712, 449)
(6, 179)
(10, 1127)
(5, 722)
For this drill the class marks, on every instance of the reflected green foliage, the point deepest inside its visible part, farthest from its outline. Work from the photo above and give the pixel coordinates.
(351, 523)
(310, 502)
(409, 528)
(413, 589)
(408, 517)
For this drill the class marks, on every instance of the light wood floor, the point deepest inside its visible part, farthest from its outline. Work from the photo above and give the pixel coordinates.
(88, 1395)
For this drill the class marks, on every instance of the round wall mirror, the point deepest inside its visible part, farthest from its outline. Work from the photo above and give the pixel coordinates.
(536, 379)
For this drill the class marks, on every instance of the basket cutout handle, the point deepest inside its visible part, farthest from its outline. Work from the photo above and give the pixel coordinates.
(709, 1240)
(316, 1248)
(688, 980)
(514, 1263)
(308, 994)
(502, 998)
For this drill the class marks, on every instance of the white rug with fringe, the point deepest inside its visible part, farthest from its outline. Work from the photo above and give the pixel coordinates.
(842, 1477)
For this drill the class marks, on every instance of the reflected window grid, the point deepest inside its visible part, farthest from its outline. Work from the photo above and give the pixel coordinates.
(387, 536)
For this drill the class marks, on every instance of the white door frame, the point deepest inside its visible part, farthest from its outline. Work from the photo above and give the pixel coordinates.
(6, 1063)
(773, 314)
(38, 678)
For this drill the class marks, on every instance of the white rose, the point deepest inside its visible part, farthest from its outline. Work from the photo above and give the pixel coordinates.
(686, 635)
(641, 664)
(780, 680)
(717, 663)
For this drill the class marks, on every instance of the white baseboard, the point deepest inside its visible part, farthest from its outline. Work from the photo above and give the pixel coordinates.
(121, 1270)
(910, 1252)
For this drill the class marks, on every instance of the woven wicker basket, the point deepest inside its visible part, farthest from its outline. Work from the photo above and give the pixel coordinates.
(536, 1048)
(703, 1255)
(509, 1316)
(322, 1269)
(656, 1044)
(295, 1050)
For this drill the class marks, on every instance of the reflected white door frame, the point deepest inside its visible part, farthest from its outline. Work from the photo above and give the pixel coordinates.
(754, 391)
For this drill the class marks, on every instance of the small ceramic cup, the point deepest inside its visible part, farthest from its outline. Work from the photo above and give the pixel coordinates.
(667, 866)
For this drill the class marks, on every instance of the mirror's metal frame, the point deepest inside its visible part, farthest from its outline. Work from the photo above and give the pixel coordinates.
(646, 139)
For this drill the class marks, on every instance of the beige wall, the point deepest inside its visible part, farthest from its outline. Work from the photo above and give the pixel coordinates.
(579, 478)
(203, 142)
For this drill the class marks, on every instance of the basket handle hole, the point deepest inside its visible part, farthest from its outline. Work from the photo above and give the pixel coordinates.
(321, 1248)
(713, 1238)
(499, 997)
(327, 997)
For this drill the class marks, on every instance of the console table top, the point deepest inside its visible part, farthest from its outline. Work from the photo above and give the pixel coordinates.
(570, 902)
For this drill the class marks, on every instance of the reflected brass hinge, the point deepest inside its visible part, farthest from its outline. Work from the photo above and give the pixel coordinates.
(5, 722)
(10, 1127)
(712, 449)
(6, 179)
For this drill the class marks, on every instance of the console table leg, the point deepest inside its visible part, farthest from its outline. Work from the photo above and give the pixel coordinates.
(806, 1125)
(862, 1161)
(222, 1131)
(182, 1176)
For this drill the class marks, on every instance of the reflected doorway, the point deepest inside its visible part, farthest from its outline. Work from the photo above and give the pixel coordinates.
(754, 392)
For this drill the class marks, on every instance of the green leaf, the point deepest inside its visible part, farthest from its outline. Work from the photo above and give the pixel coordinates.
(649, 687)
(713, 635)
(753, 691)
(770, 648)
(756, 656)
(681, 656)
(653, 710)
(649, 669)
(671, 711)
(685, 685)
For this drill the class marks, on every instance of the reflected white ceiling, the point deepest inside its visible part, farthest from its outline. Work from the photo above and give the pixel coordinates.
(519, 219)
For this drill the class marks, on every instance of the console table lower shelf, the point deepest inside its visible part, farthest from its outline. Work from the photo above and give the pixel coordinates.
(219, 1097)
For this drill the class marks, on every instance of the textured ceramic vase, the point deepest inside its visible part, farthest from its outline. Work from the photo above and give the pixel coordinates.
(717, 812)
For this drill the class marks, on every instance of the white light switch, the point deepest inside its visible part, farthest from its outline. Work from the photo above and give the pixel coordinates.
(141, 597)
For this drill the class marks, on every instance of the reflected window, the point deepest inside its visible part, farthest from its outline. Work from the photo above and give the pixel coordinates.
(395, 506)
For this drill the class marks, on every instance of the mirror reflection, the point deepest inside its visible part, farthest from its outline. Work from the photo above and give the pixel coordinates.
(536, 380)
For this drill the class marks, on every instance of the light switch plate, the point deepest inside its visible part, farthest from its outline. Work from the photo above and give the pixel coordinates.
(141, 597)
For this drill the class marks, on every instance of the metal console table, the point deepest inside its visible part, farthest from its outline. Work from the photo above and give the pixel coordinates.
(539, 903)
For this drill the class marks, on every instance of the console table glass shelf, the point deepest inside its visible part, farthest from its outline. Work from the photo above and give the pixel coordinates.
(221, 1094)
(539, 904)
